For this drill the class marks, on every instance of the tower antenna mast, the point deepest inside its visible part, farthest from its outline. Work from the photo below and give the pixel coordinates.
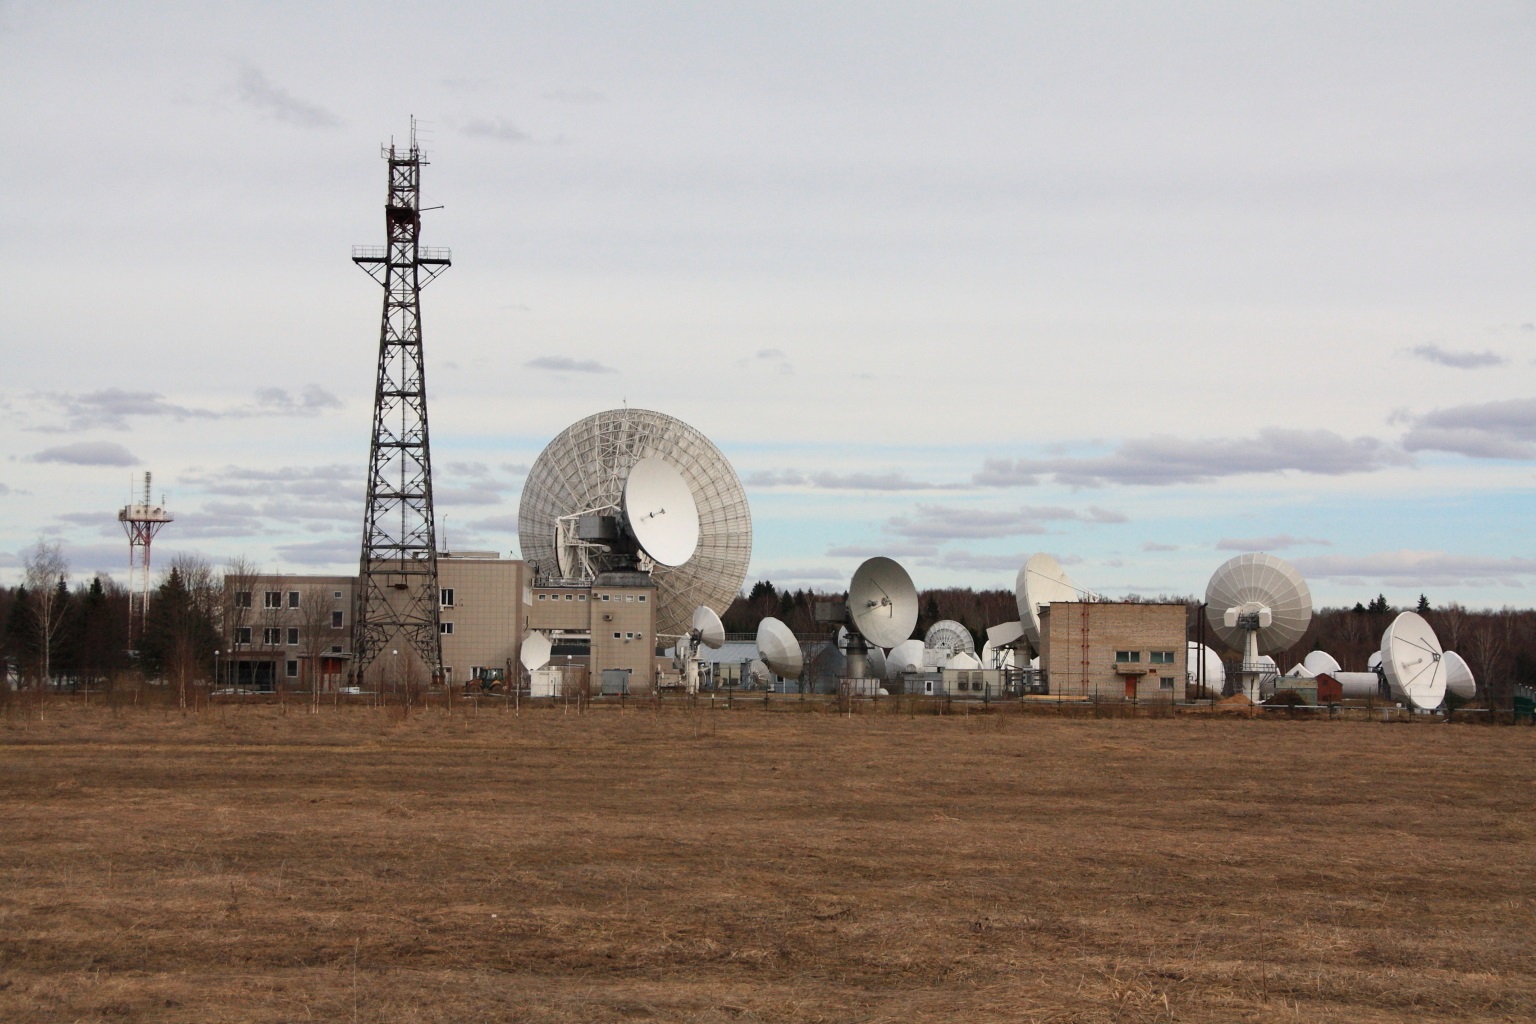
(141, 522)
(398, 590)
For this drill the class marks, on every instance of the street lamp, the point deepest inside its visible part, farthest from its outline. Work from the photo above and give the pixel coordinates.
(216, 668)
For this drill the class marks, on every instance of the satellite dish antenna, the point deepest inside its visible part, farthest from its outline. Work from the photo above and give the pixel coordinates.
(1458, 676)
(1413, 662)
(882, 610)
(1321, 663)
(951, 636)
(535, 652)
(1042, 581)
(904, 657)
(757, 672)
(583, 472)
(1215, 671)
(705, 630)
(779, 648)
(1260, 605)
(876, 663)
(661, 512)
(1373, 663)
(996, 657)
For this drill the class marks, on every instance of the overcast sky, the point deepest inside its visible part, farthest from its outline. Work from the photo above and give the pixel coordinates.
(1139, 285)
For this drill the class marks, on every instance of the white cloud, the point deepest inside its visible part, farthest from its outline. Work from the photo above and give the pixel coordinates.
(1459, 360)
(254, 90)
(564, 364)
(1421, 569)
(88, 453)
(1486, 430)
(1273, 542)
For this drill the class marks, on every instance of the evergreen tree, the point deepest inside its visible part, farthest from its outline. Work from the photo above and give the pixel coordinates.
(1423, 608)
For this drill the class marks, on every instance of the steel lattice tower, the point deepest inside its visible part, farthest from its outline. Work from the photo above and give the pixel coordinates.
(398, 599)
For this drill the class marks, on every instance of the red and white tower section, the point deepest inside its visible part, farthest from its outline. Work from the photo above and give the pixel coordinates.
(142, 522)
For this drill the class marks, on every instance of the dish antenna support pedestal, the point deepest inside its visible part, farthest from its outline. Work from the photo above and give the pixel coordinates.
(398, 592)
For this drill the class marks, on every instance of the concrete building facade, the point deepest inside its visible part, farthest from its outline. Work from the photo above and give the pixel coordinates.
(1113, 650)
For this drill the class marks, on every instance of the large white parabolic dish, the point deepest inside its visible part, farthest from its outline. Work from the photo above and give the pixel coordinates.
(585, 467)
(1256, 581)
(1458, 676)
(535, 652)
(1041, 581)
(950, 636)
(1411, 658)
(1321, 662)
(882, 602)
(661, 512)
(779, 648)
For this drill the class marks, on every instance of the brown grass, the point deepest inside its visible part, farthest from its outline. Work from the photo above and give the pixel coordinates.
(247, 865)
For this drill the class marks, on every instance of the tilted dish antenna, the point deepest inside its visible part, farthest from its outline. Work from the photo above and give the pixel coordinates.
(661, 513)
(536, 651)
(996, 657)
(1042, 581)
(882, 610)
(779, 648)
(1413, 661)
(1215, 671)
(705, 630)
(581, 474)
(1321, 663)
(1458, 676)
(1260, 605)
(949, 635)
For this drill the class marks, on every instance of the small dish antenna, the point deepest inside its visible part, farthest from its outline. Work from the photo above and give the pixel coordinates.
(951, 636)
(660, 511)
(1413, 661)
(1042, 581)
(1458, 676)
(1260, 605)
(705, 630)
(779, 648)
(536, 651)
(882, 610)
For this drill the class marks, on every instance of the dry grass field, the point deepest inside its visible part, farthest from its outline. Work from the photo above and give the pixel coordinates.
(243, 864)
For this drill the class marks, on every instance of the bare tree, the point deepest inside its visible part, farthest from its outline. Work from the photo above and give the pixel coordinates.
(1488, 642)
(44, 574)
(235, 612)
(1452, 625)
(315, 607)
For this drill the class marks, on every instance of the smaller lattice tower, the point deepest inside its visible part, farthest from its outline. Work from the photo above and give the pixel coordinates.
(142, 522)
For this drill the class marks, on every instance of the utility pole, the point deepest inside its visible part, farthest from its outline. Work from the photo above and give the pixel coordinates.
(398, 591)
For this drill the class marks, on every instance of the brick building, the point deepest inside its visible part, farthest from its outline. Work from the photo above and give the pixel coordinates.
(1114, 650)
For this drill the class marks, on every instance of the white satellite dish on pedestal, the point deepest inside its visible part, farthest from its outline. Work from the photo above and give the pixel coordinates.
(882, 610)
(1413, 662)
(705, 630)
(779, 648)
(1321, 663)
(1260, 605)
(1458, 676)
(1042, 581)
(535, 652)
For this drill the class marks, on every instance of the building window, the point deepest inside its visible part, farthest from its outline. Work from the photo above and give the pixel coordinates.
(617, 637)
(242, 599)
(293, 636)
(272, 635)
(337, 618)
(629, 597)
(542, 596)
(445, 597)
(605, 597)
(568, 597)
(335, 648)
(293, 599)
(581, 597)
(336, 595)
(1128, 657)
(1160, 657)
(243, 636)
(1165, 683)
(293, 670)
(445, 628)
(272, 599)
(963, 686)
(642, 599)
(629, 636)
